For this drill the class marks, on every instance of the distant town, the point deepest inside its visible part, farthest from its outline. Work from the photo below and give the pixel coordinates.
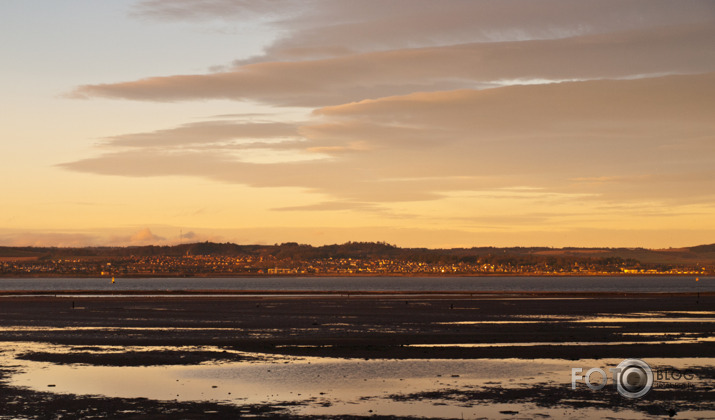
(352, 258)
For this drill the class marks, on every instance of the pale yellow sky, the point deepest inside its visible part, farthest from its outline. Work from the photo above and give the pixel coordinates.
(419, 123)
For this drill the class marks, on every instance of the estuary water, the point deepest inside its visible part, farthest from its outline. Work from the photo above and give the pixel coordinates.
(635, 284)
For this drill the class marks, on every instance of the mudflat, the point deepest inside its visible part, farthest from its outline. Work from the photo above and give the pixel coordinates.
(556, 325)
(157, 328)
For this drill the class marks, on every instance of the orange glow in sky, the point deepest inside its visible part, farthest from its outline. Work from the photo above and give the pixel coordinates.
(420, 123)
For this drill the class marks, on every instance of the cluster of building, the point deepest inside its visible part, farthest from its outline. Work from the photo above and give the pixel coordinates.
(206, 265)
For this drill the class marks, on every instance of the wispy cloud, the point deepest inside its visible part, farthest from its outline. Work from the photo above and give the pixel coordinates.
(209, 132)
(332, 27)
(145, 236)
(104, 237)
(47, 239)
(355, 77)
(414, 105)
(569, 137)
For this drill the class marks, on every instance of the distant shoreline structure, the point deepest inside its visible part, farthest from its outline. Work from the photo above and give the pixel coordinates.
(363, 275)
(398, 294)
(207, 259)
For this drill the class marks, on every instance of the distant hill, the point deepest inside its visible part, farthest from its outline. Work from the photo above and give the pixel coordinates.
(702, 254)
(8, 252)
(703, 248)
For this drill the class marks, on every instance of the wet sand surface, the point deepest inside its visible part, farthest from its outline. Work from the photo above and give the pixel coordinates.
(224, 330)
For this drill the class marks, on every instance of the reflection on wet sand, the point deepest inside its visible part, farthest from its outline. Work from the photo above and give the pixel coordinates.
(439, 356)
(670, 341)
(609, 318)
(327, 386)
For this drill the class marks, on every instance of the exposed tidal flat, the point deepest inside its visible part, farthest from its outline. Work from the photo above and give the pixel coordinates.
(392, 353)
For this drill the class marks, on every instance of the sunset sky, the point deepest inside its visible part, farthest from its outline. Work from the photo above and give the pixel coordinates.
(421, 123)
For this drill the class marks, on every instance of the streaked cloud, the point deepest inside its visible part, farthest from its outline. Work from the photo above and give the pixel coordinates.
(663, 50)
(320, 28)
(465, 116)
(568, 137)
(209, 132)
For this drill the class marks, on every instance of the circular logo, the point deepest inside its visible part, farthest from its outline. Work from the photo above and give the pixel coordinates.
(634, 378)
